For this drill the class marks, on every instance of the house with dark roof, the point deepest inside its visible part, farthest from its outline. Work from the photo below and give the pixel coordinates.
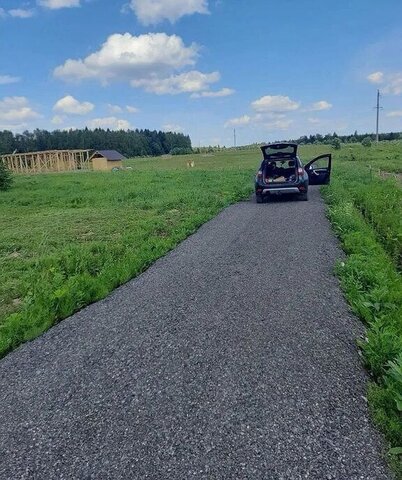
(106, 160)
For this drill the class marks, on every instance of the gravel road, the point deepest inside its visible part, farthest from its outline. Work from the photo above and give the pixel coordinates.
(233, 357)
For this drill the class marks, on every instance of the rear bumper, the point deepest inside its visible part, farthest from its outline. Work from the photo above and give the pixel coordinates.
(281, 190)
(299, 186)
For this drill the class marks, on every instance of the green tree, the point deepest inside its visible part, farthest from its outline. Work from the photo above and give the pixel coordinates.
(336, 143)
(6, 179)
(7, 142)
(131, 143)
(366, 142)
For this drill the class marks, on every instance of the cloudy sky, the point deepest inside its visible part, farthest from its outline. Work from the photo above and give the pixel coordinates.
(272, 69)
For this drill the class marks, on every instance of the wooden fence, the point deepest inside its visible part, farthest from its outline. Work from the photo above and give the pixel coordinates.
(49, 161)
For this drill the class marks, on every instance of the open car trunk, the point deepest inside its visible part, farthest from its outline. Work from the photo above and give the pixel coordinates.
(280, 171)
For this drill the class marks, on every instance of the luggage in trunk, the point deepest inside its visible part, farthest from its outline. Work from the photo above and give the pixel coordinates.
(280, 171)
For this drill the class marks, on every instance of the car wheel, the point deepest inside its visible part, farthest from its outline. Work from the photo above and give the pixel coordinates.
(259, 198)
(303, 196)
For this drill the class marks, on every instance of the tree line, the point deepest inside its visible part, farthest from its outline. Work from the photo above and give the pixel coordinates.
(355, 138)
(131, 143)
(329, 139)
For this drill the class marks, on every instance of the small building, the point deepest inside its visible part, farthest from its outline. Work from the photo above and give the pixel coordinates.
(105, 160)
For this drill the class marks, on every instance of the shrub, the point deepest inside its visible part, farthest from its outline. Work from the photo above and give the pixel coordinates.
(181, 151)
(366, 142)
(6, 179)
(352, 156)
(336, 143)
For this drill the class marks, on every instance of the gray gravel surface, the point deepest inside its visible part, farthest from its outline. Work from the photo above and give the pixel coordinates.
(233, 357)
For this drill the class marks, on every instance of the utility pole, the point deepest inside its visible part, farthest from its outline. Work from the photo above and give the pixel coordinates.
(378, 116)
(234, 138)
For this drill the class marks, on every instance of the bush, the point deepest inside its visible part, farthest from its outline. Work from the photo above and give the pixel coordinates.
(181, 151)
(6, 179)
(336, 143)
(366, 142)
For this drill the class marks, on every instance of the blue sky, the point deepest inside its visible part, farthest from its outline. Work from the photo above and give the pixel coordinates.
(270, 69)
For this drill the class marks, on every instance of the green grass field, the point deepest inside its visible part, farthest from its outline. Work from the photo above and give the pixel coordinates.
(67, 240)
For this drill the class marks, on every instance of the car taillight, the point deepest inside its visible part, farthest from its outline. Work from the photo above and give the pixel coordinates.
(300, 171)
(259, 174)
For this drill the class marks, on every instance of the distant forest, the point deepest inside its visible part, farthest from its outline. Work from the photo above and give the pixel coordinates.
(356, 137)
(131, 143)
(316, 139)
(142, 143)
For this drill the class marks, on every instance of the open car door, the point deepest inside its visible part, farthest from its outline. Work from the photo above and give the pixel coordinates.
(319, 170)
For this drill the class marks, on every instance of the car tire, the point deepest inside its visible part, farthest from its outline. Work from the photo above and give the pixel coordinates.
(303, 196)
(259, 198)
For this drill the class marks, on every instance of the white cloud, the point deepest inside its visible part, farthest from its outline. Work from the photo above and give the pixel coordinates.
(131, 109)
(21, 13)
(17, 13)
(112, 123)
(376, 77)
(224, 92)
(114, 108)
(151, 61)
(56, 4)
(6, 79)
(395, 113)
(189, 82)
(279, 125)
(314, 121)
(392, 81)
(170, 127)
(263, 117)
(117, 109)
(274, 103)
(154, 11)
(270, 113)
(58, 120)
(394, 84)
(70, 105)
(321, 105)
(15, 111)
(130, 58)
(234, 122)
(266, 120)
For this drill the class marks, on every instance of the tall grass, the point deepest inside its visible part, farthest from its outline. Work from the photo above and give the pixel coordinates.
(380, 202)
(366, 216)
(67, 240)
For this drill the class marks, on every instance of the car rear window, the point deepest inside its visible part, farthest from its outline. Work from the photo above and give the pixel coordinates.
(278, 151)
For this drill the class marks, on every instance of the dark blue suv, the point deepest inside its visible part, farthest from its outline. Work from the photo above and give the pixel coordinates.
(282, 172)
